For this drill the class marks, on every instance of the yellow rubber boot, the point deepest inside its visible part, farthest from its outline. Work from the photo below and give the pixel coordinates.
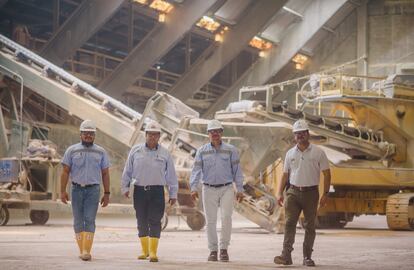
(87, 241)
(145, 248)
(153, 246)
(78, 237)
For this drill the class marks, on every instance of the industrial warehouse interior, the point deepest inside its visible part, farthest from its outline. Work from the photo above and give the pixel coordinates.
(343, 68)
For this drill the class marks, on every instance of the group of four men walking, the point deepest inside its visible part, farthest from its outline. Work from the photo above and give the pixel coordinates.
(150, 167)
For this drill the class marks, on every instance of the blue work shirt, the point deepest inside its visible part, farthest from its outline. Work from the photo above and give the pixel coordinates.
(217, 166)
(150, 167)
(86, 163)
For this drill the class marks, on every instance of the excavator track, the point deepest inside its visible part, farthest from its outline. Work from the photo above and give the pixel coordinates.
(400, 211)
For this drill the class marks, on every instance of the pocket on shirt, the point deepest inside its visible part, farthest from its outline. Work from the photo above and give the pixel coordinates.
(160, 163)
(294, 164)
(138, 164)
(208, 161)
(225, 159)
(78, 160)
(96, 160)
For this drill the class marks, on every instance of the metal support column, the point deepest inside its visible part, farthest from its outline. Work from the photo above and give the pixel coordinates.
(56, 15)
(362, 40)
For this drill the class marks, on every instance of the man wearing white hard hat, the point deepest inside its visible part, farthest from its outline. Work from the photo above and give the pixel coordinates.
(217, 166)
(301, 173)
(87, 165)
(149, 168)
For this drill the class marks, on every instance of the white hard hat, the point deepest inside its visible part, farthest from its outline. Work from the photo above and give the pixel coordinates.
(300, 125)
(214, 124)
(87, 125)
(153, 127)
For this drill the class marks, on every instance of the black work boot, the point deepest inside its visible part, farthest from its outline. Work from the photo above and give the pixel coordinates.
(224, 256)
(307, 255)
(212, 257)
(307, 261)
(285, 258)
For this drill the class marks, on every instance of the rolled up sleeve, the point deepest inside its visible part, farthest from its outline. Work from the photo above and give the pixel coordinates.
(67, 160)
(323, 162)
(105, 163)
(286, 164)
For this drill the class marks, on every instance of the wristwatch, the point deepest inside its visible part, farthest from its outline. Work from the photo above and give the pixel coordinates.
(107, 193)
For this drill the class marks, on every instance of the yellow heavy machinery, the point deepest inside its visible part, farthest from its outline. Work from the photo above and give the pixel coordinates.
(365, 125)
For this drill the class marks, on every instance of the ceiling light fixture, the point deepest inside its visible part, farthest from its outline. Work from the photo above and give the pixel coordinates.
(161, 6)
(300, 61)
(208, 23)
(143, 2)
(161, 17)
(260, 43)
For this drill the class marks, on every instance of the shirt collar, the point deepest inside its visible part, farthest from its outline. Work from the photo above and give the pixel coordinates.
(156, 147)
(306, 150)
(212, 146)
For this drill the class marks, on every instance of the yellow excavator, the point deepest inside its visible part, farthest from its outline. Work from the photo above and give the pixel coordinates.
(366, 126)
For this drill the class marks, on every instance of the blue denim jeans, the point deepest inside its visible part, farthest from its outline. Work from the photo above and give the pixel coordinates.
(85, 202)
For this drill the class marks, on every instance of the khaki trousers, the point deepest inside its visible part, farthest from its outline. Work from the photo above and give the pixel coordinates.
(213, 199)
(295, 202)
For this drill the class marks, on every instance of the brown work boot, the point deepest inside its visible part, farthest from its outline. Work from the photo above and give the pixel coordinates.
(285, 258)
(224, 256)
(212, 257)
(308, 261)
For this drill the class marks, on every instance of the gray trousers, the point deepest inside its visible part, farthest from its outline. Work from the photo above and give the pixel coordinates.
(213, 199)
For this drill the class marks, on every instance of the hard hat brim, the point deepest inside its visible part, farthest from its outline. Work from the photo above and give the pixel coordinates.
(214, 128)
(299, 129)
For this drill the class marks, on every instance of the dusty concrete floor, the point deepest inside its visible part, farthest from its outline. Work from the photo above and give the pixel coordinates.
(364, 244)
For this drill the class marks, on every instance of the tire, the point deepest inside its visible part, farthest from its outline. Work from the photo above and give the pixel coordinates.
(196, 221)
(4, 215)
(39, 217)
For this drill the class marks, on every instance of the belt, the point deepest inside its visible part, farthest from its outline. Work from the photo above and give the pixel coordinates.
(219, 185)
(308, 188)
(151, 187)
(82, 185)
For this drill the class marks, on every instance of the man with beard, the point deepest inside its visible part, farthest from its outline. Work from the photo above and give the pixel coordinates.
(217, 166)
(149, 168)
(87, 164)
(302, 167)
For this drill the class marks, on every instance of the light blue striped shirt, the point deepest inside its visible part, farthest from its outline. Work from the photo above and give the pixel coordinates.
(86, 163)
(217, 167)
(145, 167)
